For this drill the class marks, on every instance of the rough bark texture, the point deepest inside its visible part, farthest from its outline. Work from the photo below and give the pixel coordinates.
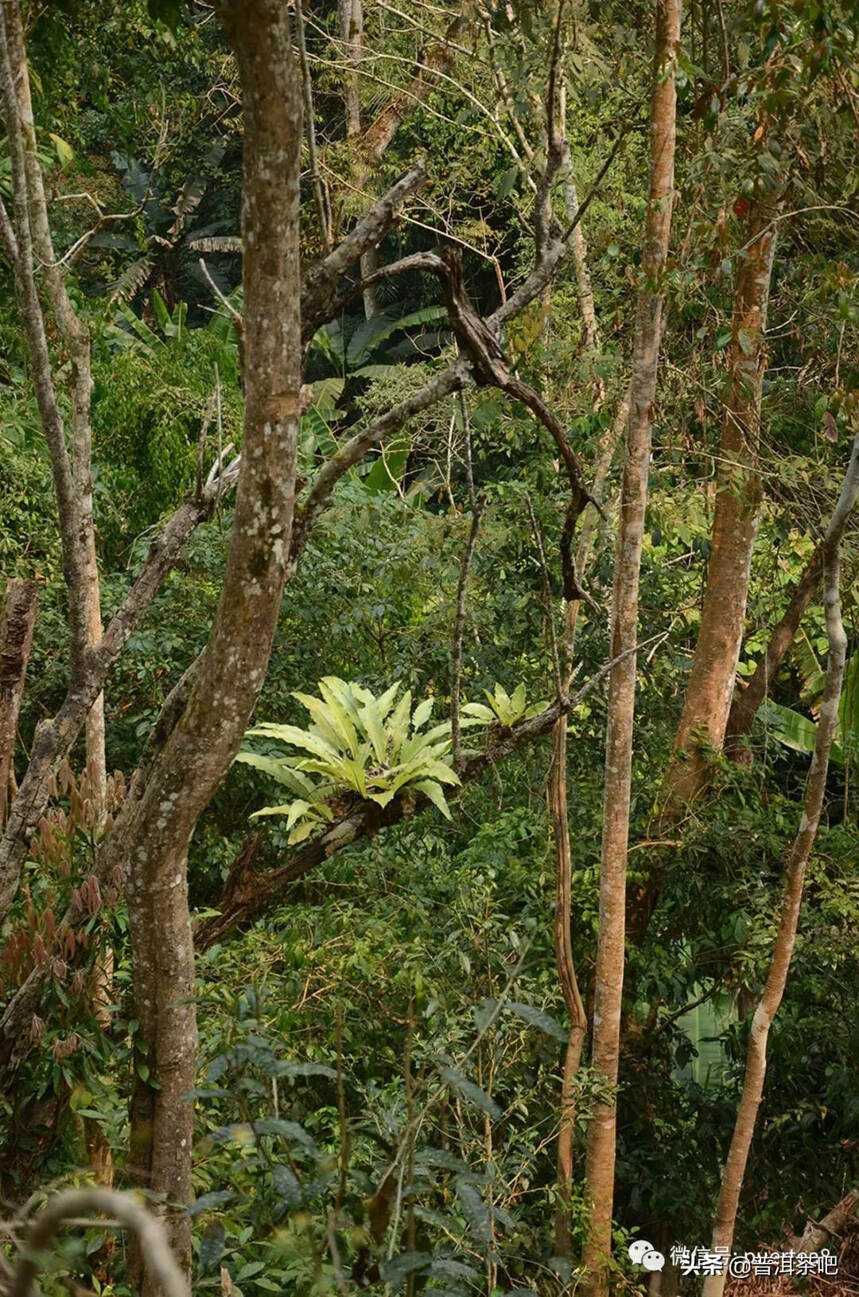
(16, 638)
(608, 977)
(803, 843)
(720, 635)
(819, 1234)
(230, 673)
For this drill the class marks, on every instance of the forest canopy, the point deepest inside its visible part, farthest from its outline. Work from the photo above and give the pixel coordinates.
(429, 687)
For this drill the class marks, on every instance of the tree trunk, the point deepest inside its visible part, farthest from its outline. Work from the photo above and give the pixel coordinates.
(16, 639)
(756, 1055)
(720, 635)
(352, 36)
(818, 1234)
(567, 977)
(599, 1168)
(74, 334)
(220, 691)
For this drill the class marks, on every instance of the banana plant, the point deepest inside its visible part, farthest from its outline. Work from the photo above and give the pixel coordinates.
(358, 746)
(798, 732)
(503, 709)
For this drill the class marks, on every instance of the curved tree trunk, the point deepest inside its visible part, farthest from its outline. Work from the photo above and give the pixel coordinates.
(720, 636)
(599, 1169)
(803, 843)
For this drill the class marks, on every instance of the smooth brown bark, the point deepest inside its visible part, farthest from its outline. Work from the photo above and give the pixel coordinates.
(738, 493)
(16, 639)
(70, 1205)
(599, 1168)
(563, 866)
(803, 843)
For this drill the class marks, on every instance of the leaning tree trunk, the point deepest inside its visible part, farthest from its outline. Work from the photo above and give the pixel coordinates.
(745, 706)
(599, 1168)
(215, 700)
(720, 635)
(756, 1054)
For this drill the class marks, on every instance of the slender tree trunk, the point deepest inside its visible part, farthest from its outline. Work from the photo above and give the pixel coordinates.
(352, 36)
(745, 706)
(216, 699)
(16, 639)
(578, 245)
(563, 864)
(803, 843)
(720, 636)
(599, 1168)
(567, 977)
(75, 337)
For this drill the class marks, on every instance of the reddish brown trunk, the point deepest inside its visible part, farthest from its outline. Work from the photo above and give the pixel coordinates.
(720, 636)
(599, 1169)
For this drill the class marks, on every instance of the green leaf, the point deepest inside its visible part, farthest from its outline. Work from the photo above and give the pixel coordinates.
(537, 1018)
(422, 713)
(434, 792)
(475, 1211)
(280, 770)
(396, 1270)
(286, 1185)
(208, 1200)
(470, 1092)
(64, 151)
(480, 711)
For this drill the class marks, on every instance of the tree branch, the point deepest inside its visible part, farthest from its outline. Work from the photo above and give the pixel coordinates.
(53, 739)
(73, 1203)
(247, 892)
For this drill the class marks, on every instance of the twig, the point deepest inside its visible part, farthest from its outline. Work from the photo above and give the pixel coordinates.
(220, 296)
(547, 592)
(307, 90)
(458, 628)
